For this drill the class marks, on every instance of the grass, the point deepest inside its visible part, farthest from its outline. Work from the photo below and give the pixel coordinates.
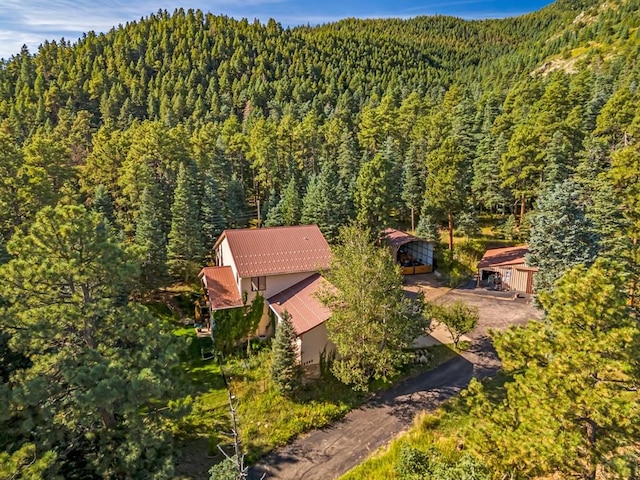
(443, 430)
(266, 418)
(462, 264)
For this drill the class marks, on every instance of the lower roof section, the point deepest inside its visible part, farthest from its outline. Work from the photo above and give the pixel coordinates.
(301, 302)
(221, 287)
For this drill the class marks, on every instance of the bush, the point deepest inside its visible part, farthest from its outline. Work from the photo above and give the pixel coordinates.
(414, 464)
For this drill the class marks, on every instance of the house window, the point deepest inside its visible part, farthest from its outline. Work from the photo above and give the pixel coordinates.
(258, 284)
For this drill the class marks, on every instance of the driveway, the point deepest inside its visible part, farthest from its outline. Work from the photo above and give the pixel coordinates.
(330, 452)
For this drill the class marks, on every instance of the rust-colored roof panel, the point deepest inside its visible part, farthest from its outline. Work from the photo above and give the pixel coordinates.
(396, 238)
(300, 300)
(504, 256)
(221, 286)
(278, 250)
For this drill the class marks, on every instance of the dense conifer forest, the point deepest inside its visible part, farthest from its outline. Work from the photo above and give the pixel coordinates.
(124, 155)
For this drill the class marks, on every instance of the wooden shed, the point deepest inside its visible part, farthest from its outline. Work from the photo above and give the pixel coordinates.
(413, 254)
(506, 269)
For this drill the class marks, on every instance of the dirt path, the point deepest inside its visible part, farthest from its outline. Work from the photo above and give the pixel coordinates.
(330, 452)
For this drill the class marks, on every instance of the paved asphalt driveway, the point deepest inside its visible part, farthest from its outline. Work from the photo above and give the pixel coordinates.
(330, 452)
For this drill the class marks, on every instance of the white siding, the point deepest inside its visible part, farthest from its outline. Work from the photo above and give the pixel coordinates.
(225, 259)
(312, 343)
(275, 284)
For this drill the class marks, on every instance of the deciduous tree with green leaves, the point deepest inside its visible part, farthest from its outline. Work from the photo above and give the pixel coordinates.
(458, 318)
(372, 321)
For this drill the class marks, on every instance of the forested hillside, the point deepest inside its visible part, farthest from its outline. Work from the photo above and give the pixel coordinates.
(123, 157)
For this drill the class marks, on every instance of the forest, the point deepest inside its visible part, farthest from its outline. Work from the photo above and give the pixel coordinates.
(124, 155)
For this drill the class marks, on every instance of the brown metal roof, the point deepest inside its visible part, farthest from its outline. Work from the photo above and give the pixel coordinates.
(221, 286)
(396, 238)
(504, 256)
(278, 250)
(300, 300)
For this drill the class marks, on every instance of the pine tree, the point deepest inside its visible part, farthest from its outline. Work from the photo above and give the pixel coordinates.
(561, 235)
(151, 240)
(237, 210)
(372, 196)
(291, 204)
(102, 203)
(570, 407)
(97, 365)
(315, 204)
(11, 182)
(447, 186)
(428, 225)
(275, 217)
(413, 180)
(285, 371)
(212, 212)
(348, 160)
(185, 251)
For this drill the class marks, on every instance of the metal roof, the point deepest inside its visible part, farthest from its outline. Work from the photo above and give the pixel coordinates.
(504, 256)
(222, 288)
(277, 250)
(396, 238)
(300, 300)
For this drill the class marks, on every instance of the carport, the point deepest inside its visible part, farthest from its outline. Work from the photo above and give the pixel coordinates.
(413, 254)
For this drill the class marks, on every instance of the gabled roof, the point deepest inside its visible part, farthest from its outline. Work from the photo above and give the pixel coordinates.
(396, 238)
(497, 257)
(277, 250)
(221, 286)
(300, 300)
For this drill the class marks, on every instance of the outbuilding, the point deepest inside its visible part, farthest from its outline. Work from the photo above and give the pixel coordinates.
(413, 254)
(506, 269)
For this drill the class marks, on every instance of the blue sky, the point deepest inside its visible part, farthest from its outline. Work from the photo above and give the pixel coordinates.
(31, 22)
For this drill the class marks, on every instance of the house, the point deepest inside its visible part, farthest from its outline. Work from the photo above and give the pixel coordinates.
(308, 316)
(413, 254)
(509, 266)
(281, 264)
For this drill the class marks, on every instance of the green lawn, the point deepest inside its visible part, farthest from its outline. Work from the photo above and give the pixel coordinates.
(266, 418)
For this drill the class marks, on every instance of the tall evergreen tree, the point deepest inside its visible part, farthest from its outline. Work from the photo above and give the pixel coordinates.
(561, 235)
(447, 186)
(571, 407)
(372, 197)
(212, 212)
(151, 240)
(99, 369)
(185, 251)
(291, 204)
(413, 181)
(238, 214)
(102, 203)
(285, 371)
(315, 204)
